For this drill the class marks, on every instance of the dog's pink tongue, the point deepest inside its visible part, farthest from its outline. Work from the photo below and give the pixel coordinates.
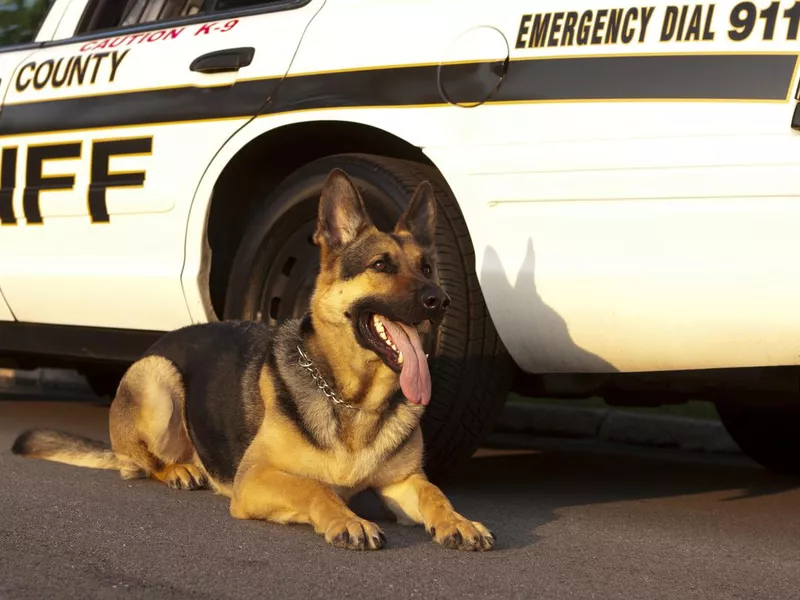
(415, 378)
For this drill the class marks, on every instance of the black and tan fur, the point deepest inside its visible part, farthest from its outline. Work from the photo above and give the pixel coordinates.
(227, 406)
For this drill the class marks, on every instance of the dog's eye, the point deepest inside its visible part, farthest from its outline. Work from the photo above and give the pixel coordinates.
(426, 270)
(379, 265)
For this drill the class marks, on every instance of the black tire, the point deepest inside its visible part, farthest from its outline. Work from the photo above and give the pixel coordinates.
(770, 435)
(276, 263)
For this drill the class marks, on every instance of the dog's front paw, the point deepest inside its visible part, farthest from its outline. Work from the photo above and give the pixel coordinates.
(355, 534)
(460, 534)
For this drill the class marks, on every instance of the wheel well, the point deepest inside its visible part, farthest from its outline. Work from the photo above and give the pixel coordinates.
(263, 163)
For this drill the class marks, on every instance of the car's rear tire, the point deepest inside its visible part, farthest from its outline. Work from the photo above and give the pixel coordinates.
(770, 435)
(276, 263)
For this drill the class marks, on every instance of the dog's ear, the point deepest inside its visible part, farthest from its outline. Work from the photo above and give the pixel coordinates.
(341, 217)
(419, 218)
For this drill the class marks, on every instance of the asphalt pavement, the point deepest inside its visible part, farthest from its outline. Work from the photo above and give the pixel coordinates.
(573, 520)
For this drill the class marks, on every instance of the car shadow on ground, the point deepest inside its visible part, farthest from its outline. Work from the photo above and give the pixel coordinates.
(515, 493)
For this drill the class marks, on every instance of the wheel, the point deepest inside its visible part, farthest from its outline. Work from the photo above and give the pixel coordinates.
(770, 435)
(275, 266)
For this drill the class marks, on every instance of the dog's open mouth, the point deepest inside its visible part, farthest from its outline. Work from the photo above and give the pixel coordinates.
(400, 348)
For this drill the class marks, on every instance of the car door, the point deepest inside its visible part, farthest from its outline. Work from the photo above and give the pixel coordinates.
(9, 58)
(631, 187)
(115, 124)
(23, 25)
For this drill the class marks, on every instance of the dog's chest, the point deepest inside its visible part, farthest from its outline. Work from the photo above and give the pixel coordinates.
(350, 469)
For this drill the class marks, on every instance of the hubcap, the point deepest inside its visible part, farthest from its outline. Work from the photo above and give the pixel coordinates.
(290, 278)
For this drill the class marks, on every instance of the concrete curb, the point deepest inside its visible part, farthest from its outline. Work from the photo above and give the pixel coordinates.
(612, 425)
(543, 420)
(42, 380)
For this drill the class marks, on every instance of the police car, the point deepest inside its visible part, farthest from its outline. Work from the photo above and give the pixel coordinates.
(618, 187)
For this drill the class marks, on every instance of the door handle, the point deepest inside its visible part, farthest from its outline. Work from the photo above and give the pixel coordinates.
(220, 61)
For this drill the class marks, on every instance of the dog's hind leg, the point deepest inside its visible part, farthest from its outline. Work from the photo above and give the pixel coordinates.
(147, 426)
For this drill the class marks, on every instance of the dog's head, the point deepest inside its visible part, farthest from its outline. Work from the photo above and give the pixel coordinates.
(377, 288)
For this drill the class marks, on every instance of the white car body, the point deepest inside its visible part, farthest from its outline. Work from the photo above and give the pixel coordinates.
(634, 206)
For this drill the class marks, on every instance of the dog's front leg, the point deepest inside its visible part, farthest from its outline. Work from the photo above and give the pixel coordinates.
(417, 500)
(272, 495)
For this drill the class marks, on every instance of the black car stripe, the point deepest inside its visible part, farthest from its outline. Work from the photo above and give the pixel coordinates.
(667, 77)
(739, 77)
(168, 105)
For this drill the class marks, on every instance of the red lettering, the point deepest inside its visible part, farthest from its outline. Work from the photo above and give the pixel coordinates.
(229, 25)
(164, 34)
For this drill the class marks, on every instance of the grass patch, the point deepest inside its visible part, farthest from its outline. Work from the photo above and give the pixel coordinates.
(694, 409)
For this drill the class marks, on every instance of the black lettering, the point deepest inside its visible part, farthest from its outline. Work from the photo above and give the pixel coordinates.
(59, 80)
(555, 29)
(627, 30)
(679, 36)
(35, 182)
(793, 14)
(102, 179)
(21, 87)
(599, 25)
(670, 22)
(584, 28)
(770, 16)
(708, 35)
(98, 59)
(8, 181)
(693, 30)
(38, 82)
(568, 39)
(614, 21)
(539, 31)
(742, 25)
(79, 68)
(647, 13)
(523, 31)
(116, 60)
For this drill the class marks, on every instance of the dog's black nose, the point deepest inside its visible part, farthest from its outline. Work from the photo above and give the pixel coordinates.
(434, 299)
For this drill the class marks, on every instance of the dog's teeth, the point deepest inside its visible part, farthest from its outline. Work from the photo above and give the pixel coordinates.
(399, 358)
(382, 334)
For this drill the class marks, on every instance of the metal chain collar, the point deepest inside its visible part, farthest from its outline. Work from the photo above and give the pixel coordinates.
(305, 362)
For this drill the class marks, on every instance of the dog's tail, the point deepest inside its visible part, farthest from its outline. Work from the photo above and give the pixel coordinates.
(66, 448)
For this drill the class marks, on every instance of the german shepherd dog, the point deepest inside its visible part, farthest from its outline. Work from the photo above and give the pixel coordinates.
(290, 423)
